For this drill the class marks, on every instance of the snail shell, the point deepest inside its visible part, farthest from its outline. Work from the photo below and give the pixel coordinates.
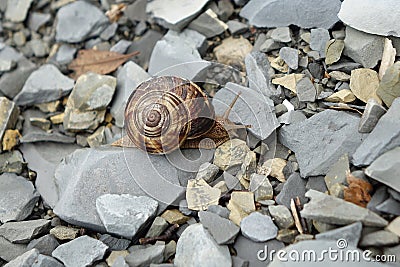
(163, 112)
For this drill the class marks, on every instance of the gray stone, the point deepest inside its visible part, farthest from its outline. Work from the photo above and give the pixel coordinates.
(232, 182)
(346, 66)
(282, 216)
(9, 251)
(17, 10)
(85, 249)
(319, 38)
(109, 32)
(351, 233)
(259, 72)
(389, 87)
(269, 45)
(136, 11)
(248, 250)
(339, 127)
(363, 48)
(379, 196)
(385, 168)
(183, 208)
(140, 28)
(224, 231)
(295, 186)
(197, 247)
(305, 14)
(8, 115)
(118, 171)
(114, 243)
(208, 24)
(125, 215)
(313, 249)
(384, 137)
(305, 90)
(45, 244)
(207, 172)
(333, 210)
(43, 158)
(23, 232)
(146, 46)
(44, 85)
(46, 261)
(158, 226)
(121, 46)
(258, 227)
(219, 210)
(144, 256)
(174, 14)
(79, 21)
(290, 56)
(41, 136)
(338, 173)
(37, 20)
(389, 206)
(262, 188)
(39, 47)
(379, 238)
(27, 259)
(292, 117)
(12, 162)
(18, 197)
(65, 54)
(239, 262)
(236, 27)
(371, 115)
(252, 108)
(189, 37)
(379, 16)
(282, 34)
(126, 84)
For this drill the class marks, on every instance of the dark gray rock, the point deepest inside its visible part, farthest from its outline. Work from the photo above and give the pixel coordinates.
(158, 226)
(338, 173)
(46, 261)
(45, 244)
(363, 48)
(305, 90)
(232, 182)
(207, 172)
(259, 72)
(85, 249)
(269, 45)
(379, 16)
(17, 10)
(385, 168)
(252, 108)
(384, 137)
(236, 27)
(65, 54)
(208, 24)
(114, 243)
(12, 162)
(146, 46)
(305, 14)
(144, 256)
(258, 227)
(136, 11)
(37, 20)
(346, 66)
(316, 183)
(249, 250)
(224, 231)
(109, 32)
(79, 21)
(197, 247)
(339, 127)
(351, 233)
(389, 206)
(282, 216)
(29, 258)
(295, 186)
(174, 14)
(118, 171)
(219, 210)
(126, 85)
(18, 197)
(379, 196)
(371, 115)
(290, 56)
(379, 238)
(333, 210)
(319, 38)
(125, 215)
(121, 46)
(44, 85)
(9, 251)
(23, 232)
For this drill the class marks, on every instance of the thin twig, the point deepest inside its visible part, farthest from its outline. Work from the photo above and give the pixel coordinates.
(164, 237)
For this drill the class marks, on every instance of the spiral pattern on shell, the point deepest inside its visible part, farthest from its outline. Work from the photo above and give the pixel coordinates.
(165, 111)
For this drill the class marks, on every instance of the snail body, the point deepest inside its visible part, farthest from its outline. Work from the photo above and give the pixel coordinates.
(166, 113)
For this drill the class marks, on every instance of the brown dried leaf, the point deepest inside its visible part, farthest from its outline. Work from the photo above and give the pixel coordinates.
(358, 191)
(388, 57)
(101, 62)
(116, 11)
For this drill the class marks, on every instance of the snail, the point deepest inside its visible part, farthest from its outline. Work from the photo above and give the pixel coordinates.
(167, 112)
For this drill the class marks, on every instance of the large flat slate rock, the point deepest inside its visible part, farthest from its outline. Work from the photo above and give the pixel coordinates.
(321, 140)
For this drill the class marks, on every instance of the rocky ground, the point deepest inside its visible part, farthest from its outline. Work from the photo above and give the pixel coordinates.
(318, 169)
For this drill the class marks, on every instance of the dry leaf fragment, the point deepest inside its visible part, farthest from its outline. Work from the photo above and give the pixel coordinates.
(358, 191)
(101, 62)
(115, 13)
(388, 57)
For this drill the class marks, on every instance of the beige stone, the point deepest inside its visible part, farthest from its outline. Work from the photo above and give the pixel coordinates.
(364, 84)
(64, 233)
(339, 76)
(114, 255)
(200, 195)
(174, 217)
(232, 51)
(10, 139)
(278, 63)
(49, 107)
(241, 205)
(289, 81)
(394, 226)
(231, 153)
(333, 51)
(273, 167)
(57, 119)
(344, 96)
